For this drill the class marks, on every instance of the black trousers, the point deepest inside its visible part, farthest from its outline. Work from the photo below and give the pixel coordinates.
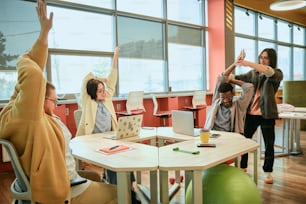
(268, 133)
(112, 177)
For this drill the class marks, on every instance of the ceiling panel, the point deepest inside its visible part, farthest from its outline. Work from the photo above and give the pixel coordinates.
(297, 16)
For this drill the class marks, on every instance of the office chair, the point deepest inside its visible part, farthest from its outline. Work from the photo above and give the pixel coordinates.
(77, 117)
(134, 104)
(78, 100)
(161, 114)
(198, 103)
(20, 188)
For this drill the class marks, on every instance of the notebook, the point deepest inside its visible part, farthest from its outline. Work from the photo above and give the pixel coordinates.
(113, 149)
(128, 126)
(183, 123)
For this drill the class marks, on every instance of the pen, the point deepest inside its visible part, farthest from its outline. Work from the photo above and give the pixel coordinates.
(114, 147)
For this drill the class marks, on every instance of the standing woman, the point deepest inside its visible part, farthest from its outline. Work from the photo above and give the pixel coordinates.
(262, 110)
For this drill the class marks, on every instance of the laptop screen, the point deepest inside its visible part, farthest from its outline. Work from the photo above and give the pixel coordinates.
(182, 122)
(129, 126)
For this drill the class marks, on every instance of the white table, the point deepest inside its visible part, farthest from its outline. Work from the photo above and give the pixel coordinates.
(144, 157)
(228, 146)
(166, 133)
(139, 158)
(291, 129)
(146, 133)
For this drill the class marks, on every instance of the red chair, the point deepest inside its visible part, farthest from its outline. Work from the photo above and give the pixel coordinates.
(164, 115)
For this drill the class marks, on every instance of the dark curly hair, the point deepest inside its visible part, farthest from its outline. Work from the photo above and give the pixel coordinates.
(225, 87)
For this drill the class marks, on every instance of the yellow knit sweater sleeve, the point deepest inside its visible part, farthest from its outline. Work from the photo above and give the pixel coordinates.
(38, 139)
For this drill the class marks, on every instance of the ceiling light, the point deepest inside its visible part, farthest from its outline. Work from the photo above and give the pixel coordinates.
(284, 5)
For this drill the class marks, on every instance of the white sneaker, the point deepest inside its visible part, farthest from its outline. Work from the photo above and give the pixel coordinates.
(269, 179)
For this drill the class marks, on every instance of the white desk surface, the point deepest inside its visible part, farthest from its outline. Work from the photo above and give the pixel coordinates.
(291, 128)
(228, 146)
(167, 133)
(139, 157)
(293, 115)
(146, 133)
(300, 109)
(144, 157)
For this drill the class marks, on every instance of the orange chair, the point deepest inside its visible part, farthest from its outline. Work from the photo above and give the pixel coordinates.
(161, 114)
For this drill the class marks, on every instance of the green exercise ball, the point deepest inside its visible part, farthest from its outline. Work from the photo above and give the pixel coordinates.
(224, 184)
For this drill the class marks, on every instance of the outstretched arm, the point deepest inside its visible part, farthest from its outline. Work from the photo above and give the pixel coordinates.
(31, 86)
(236, 81)
(114, 65)
(258, 67)
(113, 75)
(39, 51)
(45, 22)
(115, 58)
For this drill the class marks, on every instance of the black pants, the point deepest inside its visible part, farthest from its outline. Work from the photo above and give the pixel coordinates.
(268, 132)
(112, 177)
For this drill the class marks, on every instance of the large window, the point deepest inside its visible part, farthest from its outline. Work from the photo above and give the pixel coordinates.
(142, 55)
(79, 30)
(299, 70)
(283, 30)
(266, 27)
(185, 57)
(248, 45)
(68, 71)
(244, 21)
(284, 61)
(103, 4)
(264, 31)
(186, 11)
(162, 45)
(144, 7)
(18, 30)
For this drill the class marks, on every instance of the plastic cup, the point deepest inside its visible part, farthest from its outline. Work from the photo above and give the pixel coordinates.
(204, 136)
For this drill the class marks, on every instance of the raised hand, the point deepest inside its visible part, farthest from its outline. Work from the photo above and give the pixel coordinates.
(115, 58)
(117, 49)
(45, 22)
(241, 55)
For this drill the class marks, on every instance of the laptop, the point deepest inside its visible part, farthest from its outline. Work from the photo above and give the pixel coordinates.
(128, 126)
(183, 123)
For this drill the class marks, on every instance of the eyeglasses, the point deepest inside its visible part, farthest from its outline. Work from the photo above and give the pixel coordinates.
(226, 99)
(53, 100)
